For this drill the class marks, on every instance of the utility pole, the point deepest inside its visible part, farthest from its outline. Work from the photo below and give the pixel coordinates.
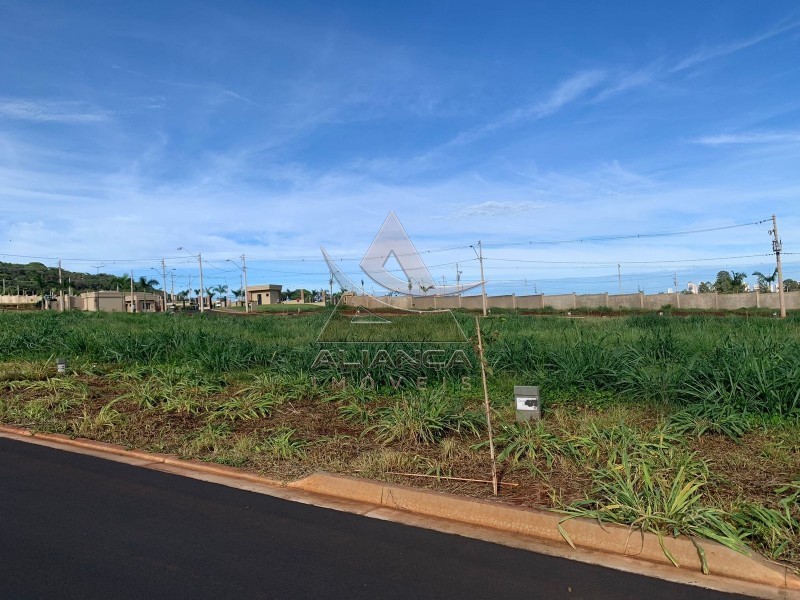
(133, 295)
(164, 278)
(172, 289)
(619, 277)
(483, 281)
(458, 280)
(199, 258)
(675, 281)
(60, 288)
(777, 247)
(202, 291)
(244, 272)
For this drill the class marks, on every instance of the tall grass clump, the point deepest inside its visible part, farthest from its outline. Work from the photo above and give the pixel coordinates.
(424, 418)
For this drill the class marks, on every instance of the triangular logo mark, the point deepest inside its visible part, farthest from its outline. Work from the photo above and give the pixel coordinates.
(392, 242)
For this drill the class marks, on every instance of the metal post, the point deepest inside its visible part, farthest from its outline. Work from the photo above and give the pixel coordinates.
(777, 247)
(60, 289)
(246, 299)
(164, 277)
(202, 291)
(199, 258)
(133, 295)
(483, 281)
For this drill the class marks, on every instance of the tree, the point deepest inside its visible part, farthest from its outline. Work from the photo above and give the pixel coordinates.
(41, 283)
(221, 290)
(146, 285)
(238, 294)
(706, 287)
(765, 282)
(123, 282)
(790, 285)
(210, 295)
(182, 296)
(730, 282)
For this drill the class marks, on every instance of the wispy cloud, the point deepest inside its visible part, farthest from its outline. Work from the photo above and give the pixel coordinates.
(627, 81)
(753, 137)
(496, 208)
(39, 111)
(565, 93)
(706, 54)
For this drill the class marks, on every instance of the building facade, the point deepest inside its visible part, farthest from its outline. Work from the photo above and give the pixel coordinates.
(263, 294)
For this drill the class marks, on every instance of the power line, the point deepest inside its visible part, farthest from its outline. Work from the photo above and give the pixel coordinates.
(594, 238)
(628, 262)
(628, 236)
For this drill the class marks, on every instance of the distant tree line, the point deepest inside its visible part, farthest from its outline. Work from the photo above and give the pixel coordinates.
(733, 282)
(38, 279)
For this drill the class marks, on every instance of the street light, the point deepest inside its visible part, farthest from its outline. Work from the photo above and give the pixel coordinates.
(479, 254)
(163, 274)
(243, 269)
(199, 258)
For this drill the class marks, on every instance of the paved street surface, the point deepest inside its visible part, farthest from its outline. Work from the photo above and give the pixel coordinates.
(74, 526)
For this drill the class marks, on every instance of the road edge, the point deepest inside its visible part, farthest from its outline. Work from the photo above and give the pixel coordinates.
(612, 541)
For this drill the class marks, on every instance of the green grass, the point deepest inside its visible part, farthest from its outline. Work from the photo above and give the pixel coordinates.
(674, 425)
(360, 325)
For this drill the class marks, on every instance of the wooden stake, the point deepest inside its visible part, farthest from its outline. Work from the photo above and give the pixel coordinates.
(488, 408)
(509, 484)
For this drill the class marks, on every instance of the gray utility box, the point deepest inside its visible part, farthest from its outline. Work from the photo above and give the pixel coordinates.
(528, 403)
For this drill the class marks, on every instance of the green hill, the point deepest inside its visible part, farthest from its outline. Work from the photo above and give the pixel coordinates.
(36, 278)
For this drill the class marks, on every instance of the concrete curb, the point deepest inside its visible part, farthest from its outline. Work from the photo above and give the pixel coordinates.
(150, 457)
(541, 525)
(544, 525)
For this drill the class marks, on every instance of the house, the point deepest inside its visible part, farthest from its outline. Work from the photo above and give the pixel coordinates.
(120, 302)
(264, 294)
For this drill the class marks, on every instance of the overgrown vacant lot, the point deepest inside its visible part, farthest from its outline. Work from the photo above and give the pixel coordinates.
(676, 425)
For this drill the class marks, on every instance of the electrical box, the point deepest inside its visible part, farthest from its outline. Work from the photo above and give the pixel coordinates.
(528, 402)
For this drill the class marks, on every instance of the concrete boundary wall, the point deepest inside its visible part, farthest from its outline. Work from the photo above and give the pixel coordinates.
(711, 301)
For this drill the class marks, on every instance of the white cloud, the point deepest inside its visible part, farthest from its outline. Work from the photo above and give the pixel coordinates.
(567, 92)
(47, 111)
(706, 54)
(754, 137)
(495, 208)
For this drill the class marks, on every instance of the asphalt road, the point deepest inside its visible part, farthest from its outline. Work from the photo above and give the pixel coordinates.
(74, 526)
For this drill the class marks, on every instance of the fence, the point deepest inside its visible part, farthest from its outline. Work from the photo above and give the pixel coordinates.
(712, 301)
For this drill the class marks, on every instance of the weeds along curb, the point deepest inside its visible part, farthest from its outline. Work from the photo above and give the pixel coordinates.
(544, 525)
(538, 524)
(149, 457)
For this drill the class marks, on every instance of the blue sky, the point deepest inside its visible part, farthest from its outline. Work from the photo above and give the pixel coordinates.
(269, 129)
